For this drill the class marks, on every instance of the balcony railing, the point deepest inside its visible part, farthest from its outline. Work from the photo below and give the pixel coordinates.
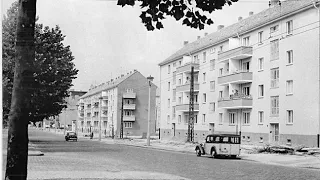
(187, 67)
(129, 118)
(186, 87)
(241, 52)
(129, 106)
(185, 107)
(129, 95)
(235, 101)
(236, 77)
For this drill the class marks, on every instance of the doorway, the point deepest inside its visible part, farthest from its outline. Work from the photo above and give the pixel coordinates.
(211, 128)
(174, 129)
(274, 132)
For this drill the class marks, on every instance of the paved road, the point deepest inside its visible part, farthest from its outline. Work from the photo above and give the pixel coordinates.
(91, 158)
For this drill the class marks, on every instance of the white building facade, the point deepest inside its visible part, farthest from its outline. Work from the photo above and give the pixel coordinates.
(258, 77)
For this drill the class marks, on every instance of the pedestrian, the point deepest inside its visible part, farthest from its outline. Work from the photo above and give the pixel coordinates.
(91, 135)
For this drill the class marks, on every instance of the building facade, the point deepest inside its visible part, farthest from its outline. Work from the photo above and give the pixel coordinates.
(103, 104)
(258, 77)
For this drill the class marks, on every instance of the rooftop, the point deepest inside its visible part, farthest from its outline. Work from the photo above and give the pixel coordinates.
(245, 25)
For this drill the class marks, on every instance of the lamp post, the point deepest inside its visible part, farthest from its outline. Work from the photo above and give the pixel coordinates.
(150, 78)
(100, 99)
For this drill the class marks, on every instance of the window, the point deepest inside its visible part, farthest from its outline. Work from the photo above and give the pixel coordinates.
(168, 86)
(195, 119)
(275, 78)
(174, 93)
(173, 112)
(204, 77)
(203, 118)
(260, 37)
(174, 64)
(186, 119)
(169, 69)
(168, 103)
(174, 78)
(246, 118)
(246, 91)
(260, 64)
(289, 26)
(290, 116)
(245, 41)
(274, 105)
(212, 50)
(212, 107)
(204, 97)
(220, 71)
(274, 29)
(260, 117)
(274, 45)
(180, 100)
(196, 59)
(179, 119)
(212, 65)
(179, 81)
(204, 57)
(168, 119)
(232, 118)
(260, 91)
(221, 49)
(127, 124)
(290, 57)
(195, 98)
(289, 87)
(220, 94)
(220, 118)
(180, 63)
(212, 85)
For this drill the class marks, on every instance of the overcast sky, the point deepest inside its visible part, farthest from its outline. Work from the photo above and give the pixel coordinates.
(108, 40)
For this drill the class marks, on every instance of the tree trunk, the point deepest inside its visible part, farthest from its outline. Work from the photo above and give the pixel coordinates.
(17, 152)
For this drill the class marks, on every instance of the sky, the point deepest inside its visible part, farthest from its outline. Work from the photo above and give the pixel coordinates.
(109, 40)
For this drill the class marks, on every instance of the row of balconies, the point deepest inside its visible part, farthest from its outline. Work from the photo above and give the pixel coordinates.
(125, 118)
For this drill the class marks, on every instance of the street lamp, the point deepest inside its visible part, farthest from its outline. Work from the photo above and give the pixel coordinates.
(100, 98)
(150, 78)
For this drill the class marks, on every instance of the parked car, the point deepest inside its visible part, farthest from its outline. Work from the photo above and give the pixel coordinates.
(220, 145)
(70, 135)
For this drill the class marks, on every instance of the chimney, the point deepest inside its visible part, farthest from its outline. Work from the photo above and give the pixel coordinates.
(185, 42)
(220, 27)
(250, 13)
(122, 75)
(239, 18)
(205, 34)
(134, 70)
(273, 3)
(198, 37)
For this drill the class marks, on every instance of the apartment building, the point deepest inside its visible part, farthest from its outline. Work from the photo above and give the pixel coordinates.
(104, 102)
(258, 77)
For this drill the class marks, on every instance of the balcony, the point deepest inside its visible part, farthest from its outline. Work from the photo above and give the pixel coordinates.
(104, 95)
(129, 106)
(235, 102)
(129, 95)
(235, 78)
(187, 67)
(129, 118)
(241, 52)
(185, 107)
(186, 87)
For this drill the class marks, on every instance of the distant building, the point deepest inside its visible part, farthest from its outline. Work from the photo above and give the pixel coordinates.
(104, 101)
(258, 77)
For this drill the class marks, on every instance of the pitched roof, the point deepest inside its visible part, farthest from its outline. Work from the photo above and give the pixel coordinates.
(245, 25)
(108, 85)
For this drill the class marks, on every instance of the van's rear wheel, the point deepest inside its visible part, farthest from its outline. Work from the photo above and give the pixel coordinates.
(198, 152)
(233, 156)
(213, 153)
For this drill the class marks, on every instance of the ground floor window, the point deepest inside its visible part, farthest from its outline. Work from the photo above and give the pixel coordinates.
(127, 124)
(232, 118)
(246, 117)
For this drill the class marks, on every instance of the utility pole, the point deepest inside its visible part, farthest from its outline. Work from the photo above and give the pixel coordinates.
(150, 78)
(191, 109)
(121, 125)
(100, 100)
(65, 121)
(112, 126)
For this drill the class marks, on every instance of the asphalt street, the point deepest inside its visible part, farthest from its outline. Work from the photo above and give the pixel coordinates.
(94, 157)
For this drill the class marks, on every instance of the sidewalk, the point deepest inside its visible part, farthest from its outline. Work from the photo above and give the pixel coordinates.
(247, 151)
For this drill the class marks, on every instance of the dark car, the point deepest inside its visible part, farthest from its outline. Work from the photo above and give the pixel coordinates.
(71, 136)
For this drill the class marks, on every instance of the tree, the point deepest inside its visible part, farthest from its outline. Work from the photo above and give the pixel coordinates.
(192, 12)
(24, 81)
(53, 71)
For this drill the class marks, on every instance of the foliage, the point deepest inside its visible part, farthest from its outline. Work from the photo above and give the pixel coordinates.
(191, 12)
(54, 68)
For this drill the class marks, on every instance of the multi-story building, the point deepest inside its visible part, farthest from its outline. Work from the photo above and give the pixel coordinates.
(103, 104)
(258, 77)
